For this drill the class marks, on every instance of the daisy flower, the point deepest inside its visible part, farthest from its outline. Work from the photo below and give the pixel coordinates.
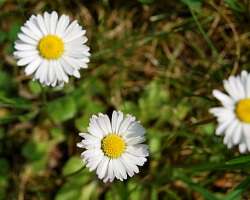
(52, 48)
(234, 115)
(114, 147)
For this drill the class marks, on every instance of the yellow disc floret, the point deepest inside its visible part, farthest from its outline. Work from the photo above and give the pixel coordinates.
(243, 110)
(51, 47)
(113, 146)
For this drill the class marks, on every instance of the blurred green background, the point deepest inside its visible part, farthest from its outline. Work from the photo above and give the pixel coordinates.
(157, 60)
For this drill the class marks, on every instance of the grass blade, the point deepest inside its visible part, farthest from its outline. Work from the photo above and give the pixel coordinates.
(238, 190)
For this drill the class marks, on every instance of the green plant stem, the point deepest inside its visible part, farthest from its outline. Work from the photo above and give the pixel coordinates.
(44, 97)
(207, 121)
(203, 32)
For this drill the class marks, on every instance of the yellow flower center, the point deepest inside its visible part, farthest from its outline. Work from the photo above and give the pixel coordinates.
(243, 110)
(51, 47)
(113, 146)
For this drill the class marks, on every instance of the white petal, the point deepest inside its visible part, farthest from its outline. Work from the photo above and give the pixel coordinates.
(222, 127)
(246, 132)
(225, 99)
(62, 24)
(138, 150)
(39, 71)
(23, 54)
(29, 33)
(71, 61)
(24, 47)
(230, 131)
(53, 22)
(134, 130)
(96, 163)
(111, 174)
(70, 28)
(43, 77)
(54, 83)
(27, 39)
(34, 29)
(114, 121)
(76, 42)
(119, 121)
(76, 73)
(121, 168)
(77, 33)
(103, 167)
(95, 129)
(42, 25)
(126, 124)
(248, 86)
(230, 87)
(103, 126)
(78, 47)
(74, 54)
(129, 163)
(137, 140)
(52, 74)
(116, 169)
(67, 68)
(47, 21)
(241, 88)
(26, 60)
(242, 147)
(60, 71)
(32, 67)
(237, 134)
(127, 166)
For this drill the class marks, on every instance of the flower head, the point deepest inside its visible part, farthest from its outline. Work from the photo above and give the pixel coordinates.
(52, 48)
(114, 148)
(234, 115)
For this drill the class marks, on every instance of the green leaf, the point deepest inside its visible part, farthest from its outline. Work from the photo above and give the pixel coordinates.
(62, 109)
(76, 172)
(17, 102)
(205, 193)
(57, 133)
(130, 107)
(1, 133)
(37, 165)
(234, 161)
(12, 35)
(197, 3)
(29, 115)
(155, 97)
(37, 153)
(35, 87)
(238, 190)
(89, 191)
(207, 129)
(146, 1)
(34, 150)
(216, 166)
(76, 191)
(72, 165)
(6, 81)
(82, 123)
(89, 109)
(5, 167)
(69, 191)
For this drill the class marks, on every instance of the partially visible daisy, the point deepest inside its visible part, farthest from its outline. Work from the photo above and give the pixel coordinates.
(52, 48)
(114, 148)
(234, 115)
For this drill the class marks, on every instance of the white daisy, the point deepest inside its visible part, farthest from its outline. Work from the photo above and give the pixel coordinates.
(52, 48)
(114, 148)
(234, 116)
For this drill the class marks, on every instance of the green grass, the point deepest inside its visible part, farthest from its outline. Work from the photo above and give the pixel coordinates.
(157, 60)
